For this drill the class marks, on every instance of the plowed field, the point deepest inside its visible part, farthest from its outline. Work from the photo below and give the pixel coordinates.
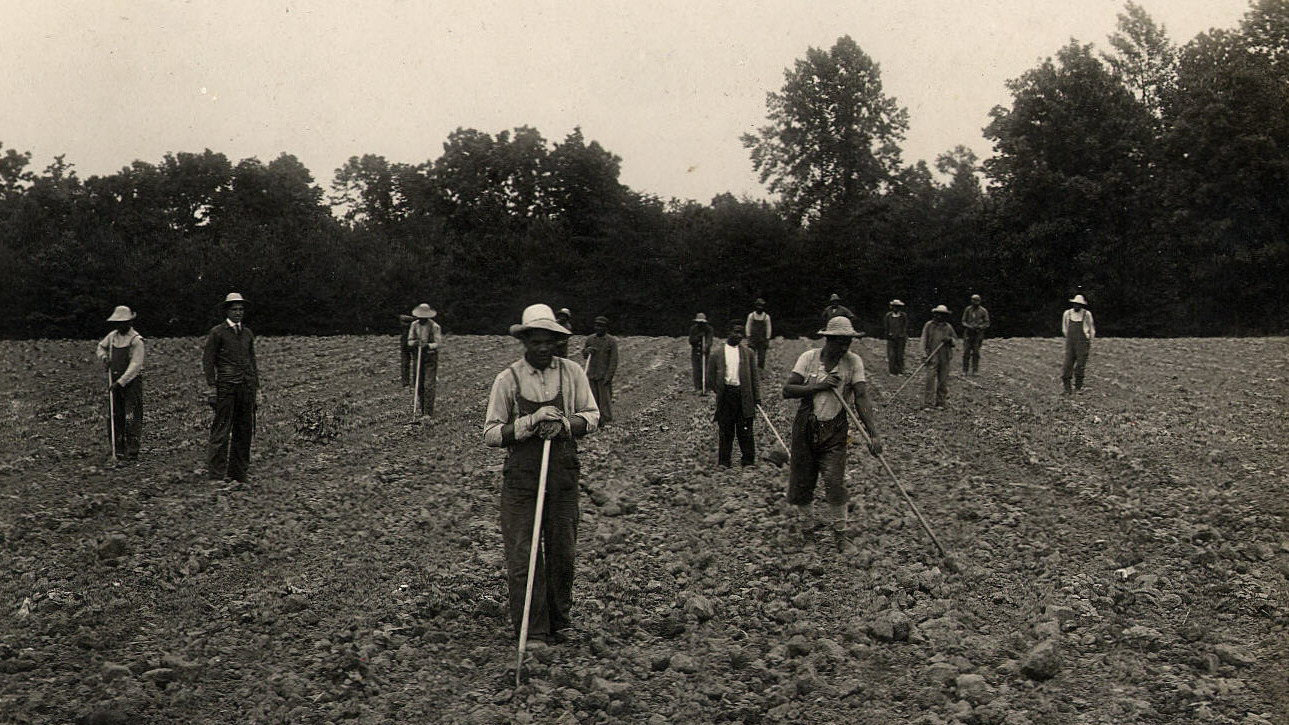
(1123, 552)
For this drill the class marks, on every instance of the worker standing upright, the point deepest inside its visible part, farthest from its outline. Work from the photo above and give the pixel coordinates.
(758, 331)
(601, 354)
(895, 326)
(122, 353)
(938, 339)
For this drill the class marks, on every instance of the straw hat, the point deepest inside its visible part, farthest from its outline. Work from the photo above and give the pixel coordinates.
(1078, 299)
(700, 317)
(538, 317)
(234, 297)
(601, 320)
(975, 298)
(121, 314)
(834, 298)
(839, 326)
(896, 303)
(423, 312)
(941, 309)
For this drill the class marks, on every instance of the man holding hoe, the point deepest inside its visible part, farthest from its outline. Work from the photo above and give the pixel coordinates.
(538, 408)
(122, 353)
(827, 380)
(423, 338)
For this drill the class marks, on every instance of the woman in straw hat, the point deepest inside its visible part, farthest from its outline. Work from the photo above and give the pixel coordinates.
(1079, 331)
(540, 397)
(424, 337)
(122, 354)
(821, 427)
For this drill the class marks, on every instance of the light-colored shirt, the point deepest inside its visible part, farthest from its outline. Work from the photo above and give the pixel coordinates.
(975, 318)
(759, 317)
(132, 340)
(237, 326)
(427, 335)
(731, 365)
(850, 368)
(537, 385)
(1083, 316)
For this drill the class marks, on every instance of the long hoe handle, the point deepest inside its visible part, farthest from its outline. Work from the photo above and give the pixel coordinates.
(111, 414)
(532, 556)
(860, 424)
(773, 429)
(915, 372)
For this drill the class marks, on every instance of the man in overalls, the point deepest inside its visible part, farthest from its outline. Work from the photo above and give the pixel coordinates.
(821, 427)
(601, 354)
(896, 328)
(938, 339)
(122, 353)
(1079, 331)
(539, 397)
(424, 337)
(975, 320)
(700, 346)
(564, 316)
(229, 363)
(758, 332)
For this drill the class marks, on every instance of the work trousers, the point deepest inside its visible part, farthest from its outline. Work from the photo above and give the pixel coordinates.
(761, 348)
(698, 361)
(818, 451)
(937, 380)
(972, 340)
(895, 355)
(429, 380)
(127, 408)
(1076, 359)
(602, 391)
(229, 453)
(732, 422)
(405, 354)
(557, 549)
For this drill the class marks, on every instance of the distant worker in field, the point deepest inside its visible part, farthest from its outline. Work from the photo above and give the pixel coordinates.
(600, 352)
(122, 353)
(424, 337)
(540, 397)
(404, 351)
(836, 309)
(565, 319)
(1079, 332)
(701, 335)
(821, 427)
(758, 331)
(938, 339)
(975, 320)
(895, 326)
(231, 370)
(737, 394)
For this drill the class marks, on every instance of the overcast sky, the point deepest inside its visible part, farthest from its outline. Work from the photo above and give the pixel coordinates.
(668, 86)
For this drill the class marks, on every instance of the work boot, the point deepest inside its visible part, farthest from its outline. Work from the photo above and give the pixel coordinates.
(843, 543)
(1069, 390)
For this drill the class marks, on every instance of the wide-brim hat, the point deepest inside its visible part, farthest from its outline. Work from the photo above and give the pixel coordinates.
(700, 317)
(759, 301)
(563, 312)
(975, 297)
(423, 311)
(121, 314)
(234, 297)
(940, 309)
(538, 317)
(839, 326)
(1078, 299)
(896, 303)
(834, 298)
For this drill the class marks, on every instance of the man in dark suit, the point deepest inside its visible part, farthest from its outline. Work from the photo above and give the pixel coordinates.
(229, 364)
(729, 373)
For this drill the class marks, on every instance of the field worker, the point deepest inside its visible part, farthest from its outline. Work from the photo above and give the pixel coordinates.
(821, 428)
(758, 330)
(600, 351)
(936, 331)
(975, 320)
(565, 319)
(230, 367)
(122, 354)
(895, 326)
(1079, 332)
(404, 352)
(701, 335)
(835, 308)
(540, 396)
(729, 369)
(424, 337)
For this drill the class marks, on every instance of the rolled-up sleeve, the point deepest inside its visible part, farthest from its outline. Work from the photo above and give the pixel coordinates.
(103, 351)
(498, 430)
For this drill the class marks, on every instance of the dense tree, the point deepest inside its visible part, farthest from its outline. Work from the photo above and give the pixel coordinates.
(1143, 57)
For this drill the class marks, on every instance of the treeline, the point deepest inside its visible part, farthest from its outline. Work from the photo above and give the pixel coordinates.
(1152, 178)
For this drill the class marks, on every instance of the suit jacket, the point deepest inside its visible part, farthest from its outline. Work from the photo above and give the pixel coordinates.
(749, 387)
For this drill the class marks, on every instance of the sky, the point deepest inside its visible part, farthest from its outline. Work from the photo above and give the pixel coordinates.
(667, 86)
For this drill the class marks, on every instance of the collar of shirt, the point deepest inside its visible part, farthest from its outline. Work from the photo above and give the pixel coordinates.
(236, 326)
(127, 338)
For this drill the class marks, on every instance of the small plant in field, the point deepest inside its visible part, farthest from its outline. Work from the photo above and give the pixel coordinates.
(318, 422)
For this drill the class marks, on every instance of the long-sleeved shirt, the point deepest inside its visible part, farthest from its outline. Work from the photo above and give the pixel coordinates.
(503, 427)
(700, 336)
(832, 311)
(603, 361)
(975, 318)
(1083, 316)
(132, 340)
(896, 325)
(757, 317)
(229, 356)
(933, 333)
(427, 335)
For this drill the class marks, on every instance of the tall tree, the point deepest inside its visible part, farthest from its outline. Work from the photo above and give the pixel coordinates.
(1144, 59)
(833, 138)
